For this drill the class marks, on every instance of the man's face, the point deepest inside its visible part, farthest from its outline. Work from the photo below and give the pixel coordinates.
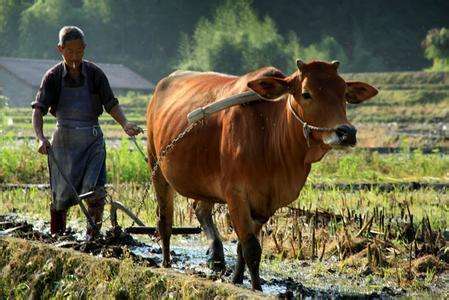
(72, 52)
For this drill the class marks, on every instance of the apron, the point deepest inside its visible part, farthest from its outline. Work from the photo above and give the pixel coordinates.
(78, 147)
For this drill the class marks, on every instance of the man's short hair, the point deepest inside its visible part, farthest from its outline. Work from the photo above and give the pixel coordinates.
(70, 33)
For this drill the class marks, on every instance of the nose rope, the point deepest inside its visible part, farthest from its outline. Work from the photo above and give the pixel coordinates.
(306, 128)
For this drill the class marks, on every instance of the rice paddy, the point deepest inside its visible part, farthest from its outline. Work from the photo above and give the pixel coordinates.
(393, 241)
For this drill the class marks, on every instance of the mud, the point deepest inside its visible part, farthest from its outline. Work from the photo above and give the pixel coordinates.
(281, 278)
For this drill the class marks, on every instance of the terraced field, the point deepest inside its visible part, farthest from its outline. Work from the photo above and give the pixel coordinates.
(412, 109)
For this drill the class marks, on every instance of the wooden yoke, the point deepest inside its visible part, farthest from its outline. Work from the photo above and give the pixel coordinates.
(205, 111)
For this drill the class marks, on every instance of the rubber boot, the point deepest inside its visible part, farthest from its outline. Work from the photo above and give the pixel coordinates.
(95, 210)
(58, 221)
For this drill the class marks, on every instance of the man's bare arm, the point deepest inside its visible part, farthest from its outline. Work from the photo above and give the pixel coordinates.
(38, 124)
(117, 113)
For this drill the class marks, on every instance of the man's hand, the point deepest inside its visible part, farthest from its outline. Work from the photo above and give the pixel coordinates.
(132, 129)
(38, 122)
(44, 145)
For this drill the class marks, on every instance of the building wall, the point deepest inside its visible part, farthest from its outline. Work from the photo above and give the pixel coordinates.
(18, 92)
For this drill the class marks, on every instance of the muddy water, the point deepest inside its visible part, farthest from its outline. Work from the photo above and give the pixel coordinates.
(282, 278)
(286, 279)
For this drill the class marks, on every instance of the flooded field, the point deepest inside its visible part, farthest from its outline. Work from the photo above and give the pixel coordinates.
(359, 274)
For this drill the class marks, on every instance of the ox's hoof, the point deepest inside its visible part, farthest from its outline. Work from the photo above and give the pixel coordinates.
(237, 278)
(216, 265)
(258, 288)
(166, 264)
(216, 259)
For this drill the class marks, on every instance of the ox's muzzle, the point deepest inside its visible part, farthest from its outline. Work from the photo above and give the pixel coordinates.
(344, 136)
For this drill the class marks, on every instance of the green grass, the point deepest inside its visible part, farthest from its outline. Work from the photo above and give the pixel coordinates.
(363, 166)
(134, 101)
(20, 163)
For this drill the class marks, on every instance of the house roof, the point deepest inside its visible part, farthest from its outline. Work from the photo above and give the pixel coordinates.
(31, 71)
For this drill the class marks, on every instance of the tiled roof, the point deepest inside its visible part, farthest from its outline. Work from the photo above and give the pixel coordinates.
(32, 70)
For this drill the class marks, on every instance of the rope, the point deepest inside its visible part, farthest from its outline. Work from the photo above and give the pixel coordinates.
(133, 139)
(306, 128)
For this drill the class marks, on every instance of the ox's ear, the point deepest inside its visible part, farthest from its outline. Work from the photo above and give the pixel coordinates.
(357, 92)
(269, 88)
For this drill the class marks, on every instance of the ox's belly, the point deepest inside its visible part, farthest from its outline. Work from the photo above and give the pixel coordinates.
(192, 183)
(193, 167)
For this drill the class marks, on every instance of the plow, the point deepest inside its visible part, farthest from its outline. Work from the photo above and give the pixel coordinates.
(141, 228)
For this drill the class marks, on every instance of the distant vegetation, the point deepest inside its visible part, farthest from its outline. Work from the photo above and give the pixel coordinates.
(236, 40)
(3, 101)
(154, 37)
(436, 45)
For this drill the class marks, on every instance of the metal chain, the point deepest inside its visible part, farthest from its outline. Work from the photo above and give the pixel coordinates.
(165, 151)
(169, 148)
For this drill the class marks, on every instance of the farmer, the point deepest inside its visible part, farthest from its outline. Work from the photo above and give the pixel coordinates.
(76, 91)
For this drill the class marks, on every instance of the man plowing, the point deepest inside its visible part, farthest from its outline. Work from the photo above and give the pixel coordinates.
(76, 92)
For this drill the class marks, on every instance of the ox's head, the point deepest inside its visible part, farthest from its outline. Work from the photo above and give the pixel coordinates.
(319, 96)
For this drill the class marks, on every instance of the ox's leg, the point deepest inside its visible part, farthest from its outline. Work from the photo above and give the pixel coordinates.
(164, 196)
(203, 211)
(250, 251)
(239, 271)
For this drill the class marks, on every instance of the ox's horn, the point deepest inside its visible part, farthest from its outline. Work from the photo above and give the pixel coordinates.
(335, 63)
(300, 64)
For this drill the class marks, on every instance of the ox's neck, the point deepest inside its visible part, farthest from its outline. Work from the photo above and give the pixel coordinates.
(297, 156)
(292, 141)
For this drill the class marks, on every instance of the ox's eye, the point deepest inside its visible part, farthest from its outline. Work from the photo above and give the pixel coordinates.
(306, 95)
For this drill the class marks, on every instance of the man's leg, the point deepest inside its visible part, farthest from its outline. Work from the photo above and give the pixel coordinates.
(95, 208)
(58, 219)
(95, 204)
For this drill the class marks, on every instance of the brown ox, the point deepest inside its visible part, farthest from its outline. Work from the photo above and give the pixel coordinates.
(253, 157)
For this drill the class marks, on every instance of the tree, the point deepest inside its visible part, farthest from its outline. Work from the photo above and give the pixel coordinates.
(40, 24)
(327, 49)
(146, 34)
(436, 48)
(236, 41)
(10, 11)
